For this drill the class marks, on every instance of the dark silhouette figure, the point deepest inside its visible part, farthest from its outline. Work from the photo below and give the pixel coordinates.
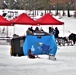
(31, 29)
(56, 32)
(30, 55)
(72, 37)
(36, 29)
(52, 30)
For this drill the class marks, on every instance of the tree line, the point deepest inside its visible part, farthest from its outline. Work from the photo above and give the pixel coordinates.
(38, 4)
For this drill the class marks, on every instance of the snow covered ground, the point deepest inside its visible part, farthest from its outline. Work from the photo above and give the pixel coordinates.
(65, 63)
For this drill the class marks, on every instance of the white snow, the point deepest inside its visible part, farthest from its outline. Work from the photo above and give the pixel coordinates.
(65, 63)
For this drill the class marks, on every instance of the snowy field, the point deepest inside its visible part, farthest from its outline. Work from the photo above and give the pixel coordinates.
(65, 63)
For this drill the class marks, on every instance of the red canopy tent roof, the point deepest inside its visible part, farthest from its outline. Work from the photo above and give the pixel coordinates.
(24, 19)
(4, 22)
(47, 19)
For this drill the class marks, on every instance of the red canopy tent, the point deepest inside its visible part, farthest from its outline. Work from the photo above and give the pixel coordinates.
(4, 22)
(24, 19)
(47, 19)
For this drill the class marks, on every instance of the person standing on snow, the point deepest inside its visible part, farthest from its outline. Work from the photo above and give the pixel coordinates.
(56, 32)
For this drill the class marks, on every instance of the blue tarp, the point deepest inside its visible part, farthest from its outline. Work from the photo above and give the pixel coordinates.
(40, 45)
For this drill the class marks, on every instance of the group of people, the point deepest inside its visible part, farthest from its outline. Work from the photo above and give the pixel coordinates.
(53, 31)
(30, 30)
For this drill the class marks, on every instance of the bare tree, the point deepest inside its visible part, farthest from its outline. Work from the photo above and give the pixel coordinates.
(66, 3)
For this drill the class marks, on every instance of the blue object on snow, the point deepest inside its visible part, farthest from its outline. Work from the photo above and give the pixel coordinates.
(40, 45)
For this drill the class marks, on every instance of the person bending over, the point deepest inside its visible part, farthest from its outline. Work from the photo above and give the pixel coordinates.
(30, 55)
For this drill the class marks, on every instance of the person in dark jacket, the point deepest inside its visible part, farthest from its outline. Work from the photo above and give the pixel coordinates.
(52, 30)
(56, 32)
(28, 31)
(30, 55)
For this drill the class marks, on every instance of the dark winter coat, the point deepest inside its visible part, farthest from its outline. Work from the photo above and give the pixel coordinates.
(56, 33)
